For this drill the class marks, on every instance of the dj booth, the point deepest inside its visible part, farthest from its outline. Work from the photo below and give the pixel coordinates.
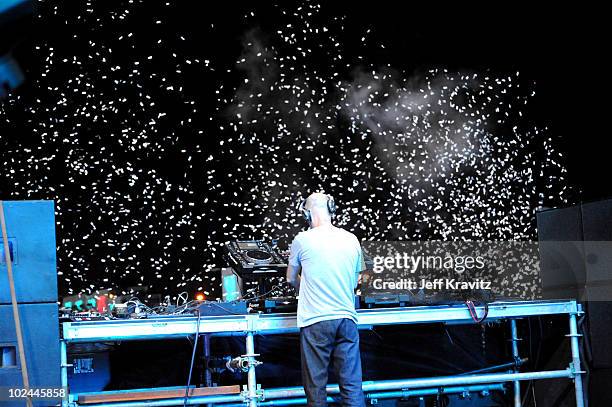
(176, 326)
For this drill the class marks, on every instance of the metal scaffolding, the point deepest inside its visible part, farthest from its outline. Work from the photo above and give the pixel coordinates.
(248, 325)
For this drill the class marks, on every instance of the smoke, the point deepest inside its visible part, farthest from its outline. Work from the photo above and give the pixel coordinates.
(447, 155)
(418, 125)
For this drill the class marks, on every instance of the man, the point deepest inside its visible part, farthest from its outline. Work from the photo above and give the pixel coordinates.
(324, 265)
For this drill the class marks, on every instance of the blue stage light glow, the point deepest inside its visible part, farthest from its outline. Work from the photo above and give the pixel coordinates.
(11, 75)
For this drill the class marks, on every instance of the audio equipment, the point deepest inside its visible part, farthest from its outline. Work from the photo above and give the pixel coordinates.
(275, 305)
(39, 323)
(253, 258)
(384, 300)
(576, 262)
(30, 230)
(420, 297)
(215, 308)
(31, 237)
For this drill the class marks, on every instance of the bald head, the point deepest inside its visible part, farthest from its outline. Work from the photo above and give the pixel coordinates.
(317, 205)
(317, 200)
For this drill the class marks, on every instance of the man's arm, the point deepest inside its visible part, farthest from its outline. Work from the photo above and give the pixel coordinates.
(294, 267)
(361, 266)
(293, 276)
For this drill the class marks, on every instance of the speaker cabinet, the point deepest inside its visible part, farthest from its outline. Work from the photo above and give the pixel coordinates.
(31, 231)
(31, 239)
(576, 262)
(40, 327)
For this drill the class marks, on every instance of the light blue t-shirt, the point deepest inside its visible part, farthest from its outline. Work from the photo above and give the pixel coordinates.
(331, 261)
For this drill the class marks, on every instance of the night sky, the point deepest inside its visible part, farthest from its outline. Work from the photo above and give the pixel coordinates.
(162, 131)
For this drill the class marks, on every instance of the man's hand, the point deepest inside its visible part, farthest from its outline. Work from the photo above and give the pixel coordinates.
(293, 276)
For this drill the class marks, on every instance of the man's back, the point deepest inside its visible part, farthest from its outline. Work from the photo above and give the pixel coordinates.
(330, 259)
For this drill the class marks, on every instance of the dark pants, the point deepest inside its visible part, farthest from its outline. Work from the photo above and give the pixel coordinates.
(335, 341)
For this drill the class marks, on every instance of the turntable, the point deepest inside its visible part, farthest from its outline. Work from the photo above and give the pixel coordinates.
(254, 258)
(258, 256)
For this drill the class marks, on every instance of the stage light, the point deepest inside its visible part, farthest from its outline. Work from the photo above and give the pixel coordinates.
(200, 297)
(10, 75)
(15, 16)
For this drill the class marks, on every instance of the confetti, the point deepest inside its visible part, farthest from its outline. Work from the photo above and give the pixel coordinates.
(152, 171)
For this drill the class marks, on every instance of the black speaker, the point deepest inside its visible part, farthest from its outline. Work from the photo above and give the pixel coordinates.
(30, 227)
(560, 224)
(576, 262)
(563, 270)
(597, 233)
(40, 327)
(31, 239)
(600, 391)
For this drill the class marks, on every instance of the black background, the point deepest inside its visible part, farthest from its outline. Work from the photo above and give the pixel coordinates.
(560, 48)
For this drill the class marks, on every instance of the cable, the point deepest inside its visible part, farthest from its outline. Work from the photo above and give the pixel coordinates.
(195, 347)
(137, 304)
(141, 307)
(183, 296)
(186, 307)
(266, 293)
(472, 308)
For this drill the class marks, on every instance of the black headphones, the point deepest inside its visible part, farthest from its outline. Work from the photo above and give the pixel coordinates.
(331, 208)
